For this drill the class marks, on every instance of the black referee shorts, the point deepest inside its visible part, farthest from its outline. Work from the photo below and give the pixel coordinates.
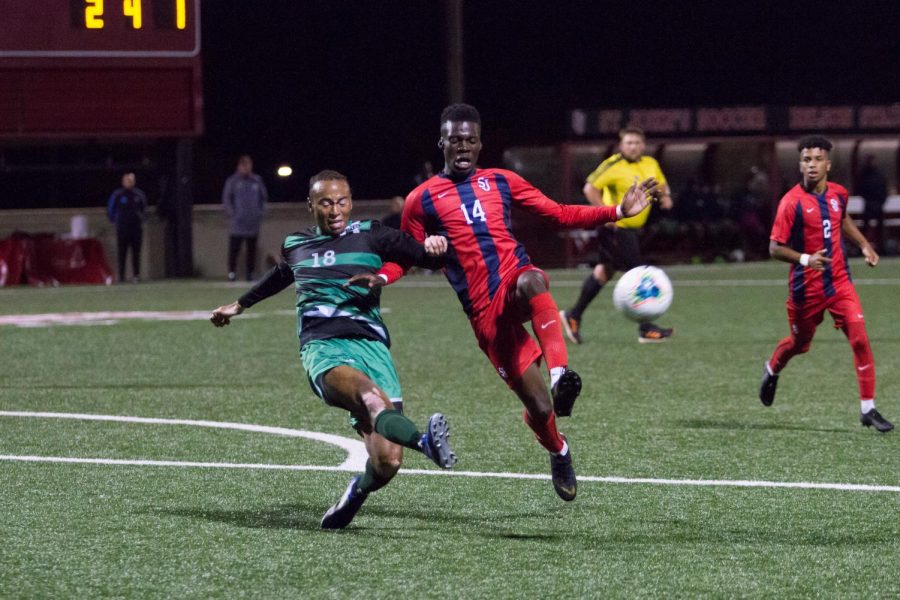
(618, 249)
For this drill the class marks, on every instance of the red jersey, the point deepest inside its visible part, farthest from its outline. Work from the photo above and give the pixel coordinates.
(473, 213)
(807, 222)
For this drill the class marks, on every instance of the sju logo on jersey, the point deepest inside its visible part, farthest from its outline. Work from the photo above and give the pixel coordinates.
(484, 184)
(834, 205)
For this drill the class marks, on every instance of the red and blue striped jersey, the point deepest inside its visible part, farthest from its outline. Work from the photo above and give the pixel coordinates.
(808, 222)
(473, 213)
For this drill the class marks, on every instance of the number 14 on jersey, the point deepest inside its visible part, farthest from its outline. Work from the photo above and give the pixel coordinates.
(477, 212)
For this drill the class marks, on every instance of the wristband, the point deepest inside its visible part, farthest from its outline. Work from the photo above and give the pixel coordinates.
(619, 214)
(804, 260)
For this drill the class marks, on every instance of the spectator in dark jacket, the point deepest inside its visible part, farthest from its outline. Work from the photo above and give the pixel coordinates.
(126, 208)
(244, 200)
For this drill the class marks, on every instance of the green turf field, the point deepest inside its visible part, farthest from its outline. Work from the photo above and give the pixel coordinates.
(683, 411)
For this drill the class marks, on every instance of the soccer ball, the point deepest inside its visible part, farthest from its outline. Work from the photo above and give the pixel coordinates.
(643, 293)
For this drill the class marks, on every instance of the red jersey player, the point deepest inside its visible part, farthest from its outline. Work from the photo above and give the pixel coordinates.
(808, 233)
(497, 284)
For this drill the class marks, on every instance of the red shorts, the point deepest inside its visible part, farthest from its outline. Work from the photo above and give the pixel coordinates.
(844, 308)
(501, 334)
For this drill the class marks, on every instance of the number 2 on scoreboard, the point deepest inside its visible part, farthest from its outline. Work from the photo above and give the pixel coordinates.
(93, 14)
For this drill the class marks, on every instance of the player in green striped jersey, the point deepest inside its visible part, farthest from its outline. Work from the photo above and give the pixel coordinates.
(343, 339)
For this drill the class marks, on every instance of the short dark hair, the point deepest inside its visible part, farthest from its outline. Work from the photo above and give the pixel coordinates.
(460, 112)
(631, 129)
(326, 175)
(814, 141)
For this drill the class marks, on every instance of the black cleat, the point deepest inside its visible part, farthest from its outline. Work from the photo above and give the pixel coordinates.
(652, 334)
(434, 442)
(874, 419)
(767, 387)
(564, 393)
(571, 326)
(563, 475)
(340, 515)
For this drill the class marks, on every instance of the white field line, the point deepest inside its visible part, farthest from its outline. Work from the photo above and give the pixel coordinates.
(356, 450)
(357, 457)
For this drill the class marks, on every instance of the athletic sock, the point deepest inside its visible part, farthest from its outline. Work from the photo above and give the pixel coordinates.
(555, 374)
(370, 480)
(564, 451)
(548, 330)
(866, 406)
(589, 290)
(546, 432)
(397, 428)
(862, 358)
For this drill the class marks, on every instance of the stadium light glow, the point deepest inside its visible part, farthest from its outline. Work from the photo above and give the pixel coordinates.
(284, 171)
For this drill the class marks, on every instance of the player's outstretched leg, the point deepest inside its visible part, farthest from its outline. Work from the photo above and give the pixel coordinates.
(767, 386)
(343, 511)
(435, 443)
(562, 473)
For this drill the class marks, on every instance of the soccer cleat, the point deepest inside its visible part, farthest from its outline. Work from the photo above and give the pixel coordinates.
(564, 393)
(767, 386)
(563, 476)
(571, 326)
(340, 515)
(655, 335)
(434, 442)
(874, 419)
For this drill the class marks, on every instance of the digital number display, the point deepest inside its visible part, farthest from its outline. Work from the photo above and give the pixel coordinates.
(93, 14)
(99, 28)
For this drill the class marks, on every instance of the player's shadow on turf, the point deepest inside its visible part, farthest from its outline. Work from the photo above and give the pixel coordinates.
(306, 517)
(746, 426)
(284, 516)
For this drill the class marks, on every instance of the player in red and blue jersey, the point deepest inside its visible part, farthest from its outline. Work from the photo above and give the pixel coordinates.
(808, 233)
(494, 278)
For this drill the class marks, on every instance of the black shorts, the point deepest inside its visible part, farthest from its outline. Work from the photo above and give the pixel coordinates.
(618, 249)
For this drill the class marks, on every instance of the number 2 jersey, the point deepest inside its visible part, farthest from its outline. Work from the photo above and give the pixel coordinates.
(473, 213)
(319, 266)
(808, 222)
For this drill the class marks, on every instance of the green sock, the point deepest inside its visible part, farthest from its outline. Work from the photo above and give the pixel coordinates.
(371, 481)
(397, 428)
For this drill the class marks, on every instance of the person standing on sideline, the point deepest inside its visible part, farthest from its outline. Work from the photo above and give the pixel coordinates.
(244, 199)
(872, 186)
(496, 283)
(808, 233)
(619, 244)
(126, 209)
(344, 344)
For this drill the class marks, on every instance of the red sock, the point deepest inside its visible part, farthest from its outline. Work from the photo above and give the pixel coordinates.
(545, 432)
(862, 359)
(548, 330)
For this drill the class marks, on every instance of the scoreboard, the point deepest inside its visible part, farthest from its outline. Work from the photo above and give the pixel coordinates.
(100, 68)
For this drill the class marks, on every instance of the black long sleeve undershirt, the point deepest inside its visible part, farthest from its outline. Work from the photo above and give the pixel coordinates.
(278, 278)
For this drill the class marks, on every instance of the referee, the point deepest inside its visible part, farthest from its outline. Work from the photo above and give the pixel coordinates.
(619, 247)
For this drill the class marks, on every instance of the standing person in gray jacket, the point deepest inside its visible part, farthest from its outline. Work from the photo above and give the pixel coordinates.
(244, 199)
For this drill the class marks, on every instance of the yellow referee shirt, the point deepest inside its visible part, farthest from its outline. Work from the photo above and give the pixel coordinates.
(615, 175)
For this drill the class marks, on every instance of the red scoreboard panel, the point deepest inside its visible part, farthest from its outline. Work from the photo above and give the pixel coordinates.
(100, 68)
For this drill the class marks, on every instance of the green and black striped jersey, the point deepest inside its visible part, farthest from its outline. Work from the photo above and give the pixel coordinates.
(319, 266)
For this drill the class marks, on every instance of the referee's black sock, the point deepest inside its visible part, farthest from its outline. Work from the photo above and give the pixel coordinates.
(589, 290)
